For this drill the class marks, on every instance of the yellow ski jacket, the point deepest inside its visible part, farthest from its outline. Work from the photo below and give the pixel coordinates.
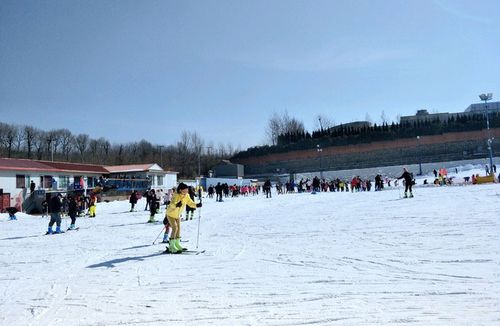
(175, 212)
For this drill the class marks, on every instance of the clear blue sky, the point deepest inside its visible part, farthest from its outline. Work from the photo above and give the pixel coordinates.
(127, 70)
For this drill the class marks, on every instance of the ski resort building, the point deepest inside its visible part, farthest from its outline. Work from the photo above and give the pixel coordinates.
(141, 176)
(24, 183)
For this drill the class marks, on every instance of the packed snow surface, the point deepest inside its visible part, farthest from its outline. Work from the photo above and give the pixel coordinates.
(367, 258)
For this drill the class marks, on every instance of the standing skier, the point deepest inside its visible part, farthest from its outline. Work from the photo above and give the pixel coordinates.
(152, 206)
(218, 192)
(174, 210)
(189, 210)
(92, 204)
(55, 213)
(408, 179)
(267, 188)
(72, 211)
(133, 200)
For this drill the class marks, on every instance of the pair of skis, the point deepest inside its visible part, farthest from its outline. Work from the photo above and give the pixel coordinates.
(188, 252)
(53, 233)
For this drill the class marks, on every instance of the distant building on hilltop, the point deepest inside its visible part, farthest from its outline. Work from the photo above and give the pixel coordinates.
(480, 107)
(353, 125)
(424, 115)
(476, 108)
(227, 169)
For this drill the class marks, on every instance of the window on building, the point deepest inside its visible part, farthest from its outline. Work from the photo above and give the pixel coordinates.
(77, 180)
(20, 180)
(47, 181)
(159, 180)
(63, 181)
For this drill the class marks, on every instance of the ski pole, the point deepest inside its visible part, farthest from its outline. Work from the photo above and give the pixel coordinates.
(199, 219)
(163, 228)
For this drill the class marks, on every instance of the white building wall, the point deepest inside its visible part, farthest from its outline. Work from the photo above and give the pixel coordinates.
(8, 182)
(170, 180)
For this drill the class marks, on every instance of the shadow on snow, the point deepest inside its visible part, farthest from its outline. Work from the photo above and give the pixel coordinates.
(113, 262)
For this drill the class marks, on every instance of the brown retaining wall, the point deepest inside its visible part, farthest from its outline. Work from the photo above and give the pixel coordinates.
(448, 146)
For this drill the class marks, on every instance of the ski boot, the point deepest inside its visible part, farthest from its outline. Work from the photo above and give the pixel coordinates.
(171, 249)
(177, 245)
(406, 195)
(72, 227)
(49, 231)
(152, 219)
(411, 195)
(165, 238)
(58, 230)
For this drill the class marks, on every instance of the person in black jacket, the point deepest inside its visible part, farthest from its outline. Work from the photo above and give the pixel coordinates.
(218, 192)
(267, 188)
(55, 214)
(408, 180)
(152, 206)
(72, 211)
(190, 210)
(133, 200)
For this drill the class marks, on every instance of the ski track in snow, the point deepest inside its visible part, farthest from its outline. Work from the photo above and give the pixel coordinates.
(297, 259)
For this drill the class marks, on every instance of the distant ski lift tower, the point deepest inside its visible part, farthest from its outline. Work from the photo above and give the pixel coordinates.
(486, 98)
(320, 150)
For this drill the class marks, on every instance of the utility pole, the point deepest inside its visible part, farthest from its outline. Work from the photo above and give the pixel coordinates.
(161, 155)
(486, 98)
(320, 150)
(419, 156)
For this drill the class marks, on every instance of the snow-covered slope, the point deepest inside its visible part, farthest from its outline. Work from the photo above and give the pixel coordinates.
(327, 259)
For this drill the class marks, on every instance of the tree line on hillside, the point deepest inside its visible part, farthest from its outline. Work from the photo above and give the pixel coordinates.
(189, 155)
(292, 138)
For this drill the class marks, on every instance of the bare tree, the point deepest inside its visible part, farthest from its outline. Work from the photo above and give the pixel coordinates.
(119, 149)
(273, 129)
(144, 150)
(19, 142)
(8, 136)
(39, 143)
(67, 142)
(323, 122)
(29, 136)
(54, 140)
(82, 141)
(105, 146)
(93, 148)
(383, 117)
(282, 124)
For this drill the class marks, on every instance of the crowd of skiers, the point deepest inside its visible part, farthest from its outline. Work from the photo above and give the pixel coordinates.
(73, 205)
(304, 185)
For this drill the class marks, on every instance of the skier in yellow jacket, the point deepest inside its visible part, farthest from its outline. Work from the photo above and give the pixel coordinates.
(174, 211)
